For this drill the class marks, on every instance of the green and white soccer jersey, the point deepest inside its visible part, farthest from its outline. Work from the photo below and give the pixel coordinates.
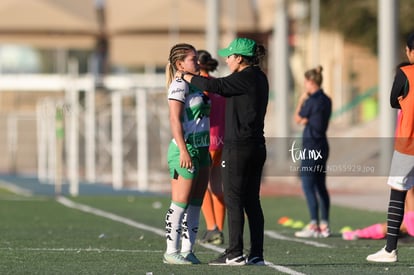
(195, 119)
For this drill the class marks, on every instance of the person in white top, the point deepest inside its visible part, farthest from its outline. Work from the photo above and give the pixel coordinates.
(188, 156)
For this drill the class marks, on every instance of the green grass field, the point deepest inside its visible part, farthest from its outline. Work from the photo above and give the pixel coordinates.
(124, 235)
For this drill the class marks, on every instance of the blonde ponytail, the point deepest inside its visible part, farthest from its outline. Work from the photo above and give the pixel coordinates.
(169, 74)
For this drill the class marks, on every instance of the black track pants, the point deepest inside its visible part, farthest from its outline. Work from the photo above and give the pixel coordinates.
(242, 167)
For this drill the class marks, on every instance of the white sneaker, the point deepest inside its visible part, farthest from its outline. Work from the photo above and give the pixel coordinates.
(189, 256)
(310, 231)
(324, 232)
(175, 258)
(383, 256)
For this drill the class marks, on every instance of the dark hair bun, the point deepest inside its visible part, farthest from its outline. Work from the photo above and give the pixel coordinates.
(206, 61)
(319, 69)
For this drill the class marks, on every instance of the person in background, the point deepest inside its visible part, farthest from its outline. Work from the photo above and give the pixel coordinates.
(213, 207)
(313, 111)
(401, 176)
(246, 91)
(188, 156)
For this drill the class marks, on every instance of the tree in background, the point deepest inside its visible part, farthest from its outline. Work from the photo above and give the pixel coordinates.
(357, 20)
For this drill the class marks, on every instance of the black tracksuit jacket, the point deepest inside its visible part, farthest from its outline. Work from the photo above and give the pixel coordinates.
(247, 94)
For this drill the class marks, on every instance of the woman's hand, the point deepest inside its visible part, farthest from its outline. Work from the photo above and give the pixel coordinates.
(185, 160)
(298, 119)
(303, 97)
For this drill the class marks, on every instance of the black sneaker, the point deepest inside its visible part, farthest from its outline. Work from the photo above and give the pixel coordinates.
(226, 259)
(255, 261)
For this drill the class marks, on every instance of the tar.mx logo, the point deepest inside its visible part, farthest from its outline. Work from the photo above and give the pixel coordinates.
(303, 154)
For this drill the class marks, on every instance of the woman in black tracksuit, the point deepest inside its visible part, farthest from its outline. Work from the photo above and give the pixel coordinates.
(244, 153)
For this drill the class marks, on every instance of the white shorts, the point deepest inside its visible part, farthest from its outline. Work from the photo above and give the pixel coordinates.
(401, 175)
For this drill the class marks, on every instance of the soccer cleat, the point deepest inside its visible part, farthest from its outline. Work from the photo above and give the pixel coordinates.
(189, 256)
(310, 231)
(214, 236)
(383, 256)
(175, 258)
(226, 259)
(255, 261)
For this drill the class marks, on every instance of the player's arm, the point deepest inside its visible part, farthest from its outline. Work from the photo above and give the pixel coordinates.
(297, 117)
(176, 108)
(399, 89)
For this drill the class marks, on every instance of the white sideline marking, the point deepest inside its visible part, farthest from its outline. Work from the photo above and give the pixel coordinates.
(275, 235)
(85, 208)
(78, 250)
(108, 215)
